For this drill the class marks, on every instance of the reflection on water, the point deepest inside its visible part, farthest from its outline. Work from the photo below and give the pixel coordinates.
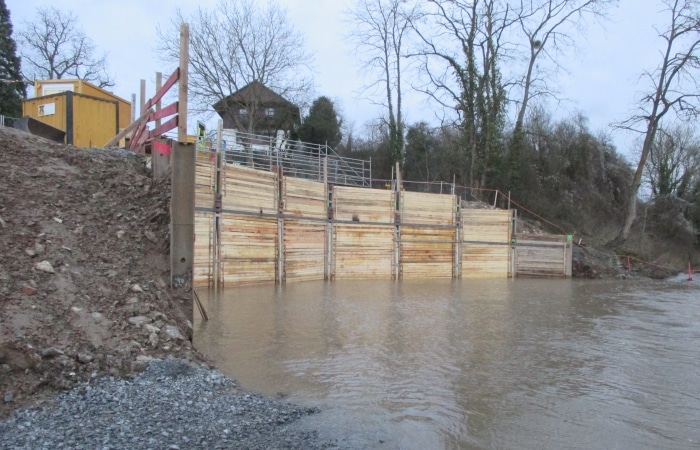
(472, 364)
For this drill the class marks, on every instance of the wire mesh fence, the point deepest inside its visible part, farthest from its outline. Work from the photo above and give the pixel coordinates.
(297, 159)
(305, 160)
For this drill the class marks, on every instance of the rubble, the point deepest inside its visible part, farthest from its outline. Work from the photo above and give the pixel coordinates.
(85, 243)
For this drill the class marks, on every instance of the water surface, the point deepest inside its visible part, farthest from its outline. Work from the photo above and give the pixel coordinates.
(472, 363)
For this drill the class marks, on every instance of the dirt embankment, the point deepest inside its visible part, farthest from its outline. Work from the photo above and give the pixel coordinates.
(84, 268)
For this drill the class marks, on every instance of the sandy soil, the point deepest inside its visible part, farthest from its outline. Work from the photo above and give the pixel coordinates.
(84, 271)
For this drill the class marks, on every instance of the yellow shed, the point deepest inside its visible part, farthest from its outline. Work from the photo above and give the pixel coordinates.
(90, 116)
(48, 87)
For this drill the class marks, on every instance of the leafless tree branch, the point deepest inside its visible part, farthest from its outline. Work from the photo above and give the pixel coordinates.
(53, 46)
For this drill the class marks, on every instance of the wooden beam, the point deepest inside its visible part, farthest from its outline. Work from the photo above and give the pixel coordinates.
(115, 140)
(172, 79)
(164, 128)
(159, 84)
(165, 112)
(142, 102)
(182, 84)
(138, 137)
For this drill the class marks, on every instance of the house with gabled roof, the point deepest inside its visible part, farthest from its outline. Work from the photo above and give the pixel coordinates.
(257, 109)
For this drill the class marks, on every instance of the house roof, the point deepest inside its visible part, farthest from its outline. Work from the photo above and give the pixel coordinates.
(252, 93)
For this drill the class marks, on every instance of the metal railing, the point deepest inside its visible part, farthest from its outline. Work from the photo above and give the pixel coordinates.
(298, 159)
(7, 121)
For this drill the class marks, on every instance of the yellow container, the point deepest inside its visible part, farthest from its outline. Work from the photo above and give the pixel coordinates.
(89, 115)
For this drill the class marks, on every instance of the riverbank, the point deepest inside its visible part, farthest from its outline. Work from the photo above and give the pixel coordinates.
(84, 291)
(95, 349)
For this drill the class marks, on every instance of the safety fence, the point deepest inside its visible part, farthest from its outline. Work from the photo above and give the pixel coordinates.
(298, 159)
(261, 226)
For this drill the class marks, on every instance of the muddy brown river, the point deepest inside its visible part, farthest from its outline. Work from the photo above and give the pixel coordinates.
(460, 364)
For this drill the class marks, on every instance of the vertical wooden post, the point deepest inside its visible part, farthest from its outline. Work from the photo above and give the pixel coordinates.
(218, 279)
(397, 220)
(569, 255)
(142, 98)
(133, 108)
(159, 84)
(182, 82)
(327, 230)
(514, 230)
(457, 253)
(281, 276)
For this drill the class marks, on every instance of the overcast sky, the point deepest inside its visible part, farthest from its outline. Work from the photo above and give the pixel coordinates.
(602, 82)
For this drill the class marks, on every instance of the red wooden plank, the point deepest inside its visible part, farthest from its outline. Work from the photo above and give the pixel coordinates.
(165, 112)
(164, 128)
(136, 137)
(168, 84)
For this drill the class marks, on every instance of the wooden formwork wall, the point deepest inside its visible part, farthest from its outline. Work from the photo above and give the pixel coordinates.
(427, 235)
(304, 241)
(205, 176)
(249, 235)
(363, 236)
(203, 240)
(278, 230)
(486, 243)
(248, 249)
(362, 251)
(542, 255)
(248, 190)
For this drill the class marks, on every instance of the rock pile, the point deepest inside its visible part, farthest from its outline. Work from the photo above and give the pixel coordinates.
(172, 405)
(84, 278)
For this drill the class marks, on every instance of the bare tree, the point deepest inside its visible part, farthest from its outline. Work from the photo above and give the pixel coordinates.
(544, 25)
(673, 87)
(474, 39)
(53, 46)
(674, 162)
(235, 44)
(380, 33)
(461, 50)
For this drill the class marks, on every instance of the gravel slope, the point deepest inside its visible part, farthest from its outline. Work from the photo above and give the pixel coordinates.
(173, 404)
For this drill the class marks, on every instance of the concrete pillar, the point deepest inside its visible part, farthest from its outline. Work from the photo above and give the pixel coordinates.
(160, 159)
(182, 214)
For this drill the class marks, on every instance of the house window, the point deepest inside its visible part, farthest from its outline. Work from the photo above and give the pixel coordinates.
(270, 112)
(242, 112)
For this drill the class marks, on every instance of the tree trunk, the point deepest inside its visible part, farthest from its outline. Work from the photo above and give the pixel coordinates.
(637, 180)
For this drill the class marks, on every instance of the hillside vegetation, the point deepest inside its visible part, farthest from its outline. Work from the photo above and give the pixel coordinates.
(567, 179)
